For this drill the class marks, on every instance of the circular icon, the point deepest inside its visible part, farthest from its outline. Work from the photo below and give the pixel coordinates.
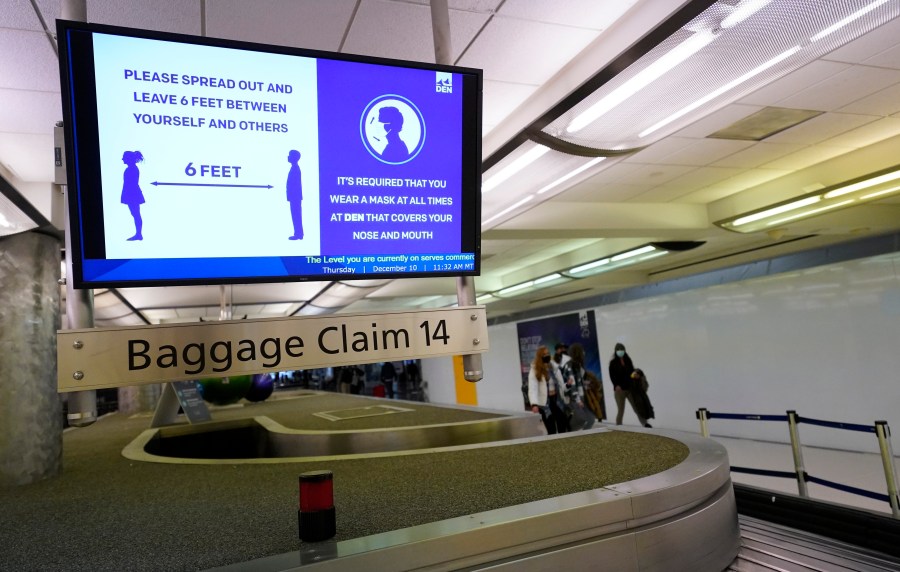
(392, 129)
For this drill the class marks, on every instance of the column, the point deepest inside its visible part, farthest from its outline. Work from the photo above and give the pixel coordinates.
(30, 411)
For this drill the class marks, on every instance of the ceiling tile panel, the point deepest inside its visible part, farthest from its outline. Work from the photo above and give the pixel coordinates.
(868, 134)
(517, 50)
(779, 90)
(41, 69)
(18, 14)
(704, 151)
(591, 191)
(889, 58)
(807, 157)
(746, 180)
(883, 103)
(655, 174)
(691, 182)
(820, 128)
(30, 156)
(178, 16)
(759, 154)
(403, 31)
(843, 88)
(576, 13)
(29, 111)
(501, 98)
(310, 24)
(718, 120)
(869, 46)
(485, 6)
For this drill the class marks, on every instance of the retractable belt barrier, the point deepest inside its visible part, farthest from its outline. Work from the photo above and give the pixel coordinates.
(879, 428)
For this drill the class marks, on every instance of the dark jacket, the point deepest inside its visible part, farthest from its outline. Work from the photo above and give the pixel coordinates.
(620, 372)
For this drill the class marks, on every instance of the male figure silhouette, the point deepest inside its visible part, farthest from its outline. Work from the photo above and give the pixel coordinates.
(131, 190)
(395, 150)
(295, 194)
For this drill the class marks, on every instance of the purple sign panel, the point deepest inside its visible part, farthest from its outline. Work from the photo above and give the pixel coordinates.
(390, 148)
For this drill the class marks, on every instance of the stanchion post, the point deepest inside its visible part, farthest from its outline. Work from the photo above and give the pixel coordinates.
(883, 431)
(798, 453)
(703, 416)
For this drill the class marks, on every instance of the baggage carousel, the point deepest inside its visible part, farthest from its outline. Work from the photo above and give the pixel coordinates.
(416, 487)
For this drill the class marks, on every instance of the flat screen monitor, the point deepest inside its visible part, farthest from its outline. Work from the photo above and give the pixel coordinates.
(206, 161)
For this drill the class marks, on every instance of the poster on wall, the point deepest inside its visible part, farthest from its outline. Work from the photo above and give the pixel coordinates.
(568, 329)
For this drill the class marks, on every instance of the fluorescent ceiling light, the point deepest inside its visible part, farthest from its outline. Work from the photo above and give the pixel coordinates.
(879, 193)
(633, 253)
(876, 185)
(810, 213)
(508, 209)
(616, 261)
(548, 278)
(484, 298)
(514, 167)
(589, 266)
(776, 210)
(645, 77)
(854, 16)
(517, 288)
(727, 87)
(577, 171)
(746, 9)
(863, 184)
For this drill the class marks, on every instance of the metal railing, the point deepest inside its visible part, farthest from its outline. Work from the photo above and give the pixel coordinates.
(879, 428)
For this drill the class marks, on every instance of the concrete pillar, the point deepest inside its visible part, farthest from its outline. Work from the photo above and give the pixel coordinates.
(139, 398)
(30, 411)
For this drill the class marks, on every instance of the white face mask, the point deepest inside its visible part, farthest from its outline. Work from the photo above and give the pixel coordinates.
(620, 353)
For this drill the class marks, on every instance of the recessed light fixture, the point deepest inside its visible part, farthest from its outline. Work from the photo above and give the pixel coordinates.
(873, 186)
(513, 167)
(642, 79)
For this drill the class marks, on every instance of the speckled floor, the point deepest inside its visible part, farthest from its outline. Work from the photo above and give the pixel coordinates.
(108, 513)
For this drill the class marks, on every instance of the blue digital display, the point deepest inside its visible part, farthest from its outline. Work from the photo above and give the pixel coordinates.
(201, 161)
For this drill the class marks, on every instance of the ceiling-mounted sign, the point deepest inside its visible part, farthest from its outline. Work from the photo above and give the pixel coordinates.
(209, 161)
(98, 358)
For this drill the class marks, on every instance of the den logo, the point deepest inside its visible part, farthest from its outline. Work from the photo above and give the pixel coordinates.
(392, 129)
(443, 82)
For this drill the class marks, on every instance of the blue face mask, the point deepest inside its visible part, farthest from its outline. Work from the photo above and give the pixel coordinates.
(620, 353)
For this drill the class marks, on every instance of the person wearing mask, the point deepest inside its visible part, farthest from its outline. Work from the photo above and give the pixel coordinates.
(546, 391)
(575, 375)
(561, 355)
(388, 378)
(620, 370)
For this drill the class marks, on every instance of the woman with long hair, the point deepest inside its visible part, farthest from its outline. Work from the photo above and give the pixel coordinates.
(546, 392)
(620, 370)
(576, 379)
(131, 190)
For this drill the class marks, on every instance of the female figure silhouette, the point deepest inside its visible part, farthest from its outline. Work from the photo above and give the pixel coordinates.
(131, 190)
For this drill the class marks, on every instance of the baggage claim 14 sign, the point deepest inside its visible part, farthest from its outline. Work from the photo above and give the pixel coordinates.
(97, 358)
(205, 161)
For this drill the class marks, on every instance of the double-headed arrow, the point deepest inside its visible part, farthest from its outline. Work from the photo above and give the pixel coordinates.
(157, 183)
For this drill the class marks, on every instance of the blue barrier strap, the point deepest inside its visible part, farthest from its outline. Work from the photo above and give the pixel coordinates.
(746, 416)
(848, 489)
(837, 425)
(764, 472)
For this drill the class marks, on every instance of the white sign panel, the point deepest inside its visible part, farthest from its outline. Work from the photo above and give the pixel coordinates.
(114, 357)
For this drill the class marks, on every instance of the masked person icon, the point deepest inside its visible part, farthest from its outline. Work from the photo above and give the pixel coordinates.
(395, 151)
